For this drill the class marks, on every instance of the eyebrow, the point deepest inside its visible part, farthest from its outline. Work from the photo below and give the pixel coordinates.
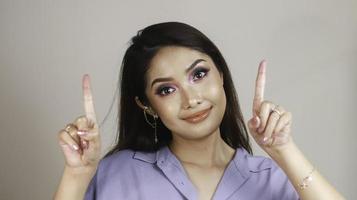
(186, 71)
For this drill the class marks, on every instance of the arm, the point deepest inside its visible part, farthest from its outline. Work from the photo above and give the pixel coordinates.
(297, 167)
(270, 126)
(81, 146)
(73, 184)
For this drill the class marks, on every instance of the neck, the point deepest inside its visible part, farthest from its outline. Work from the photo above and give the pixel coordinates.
(210, 151)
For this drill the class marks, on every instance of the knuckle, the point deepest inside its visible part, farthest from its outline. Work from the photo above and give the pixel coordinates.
(71, 128)
(82, 123)
(68, 137)
(73, 134)
(287, 115)
(265, 104)
(268, 103)
(274, 115)
(80, 120)
(61, 133)
(64, 138)
(281, 108)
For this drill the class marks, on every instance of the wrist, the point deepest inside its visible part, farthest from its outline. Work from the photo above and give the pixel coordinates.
(78, 172)
(74, 182)
(284, 152)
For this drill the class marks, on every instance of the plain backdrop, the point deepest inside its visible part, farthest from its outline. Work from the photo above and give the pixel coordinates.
(47, 45)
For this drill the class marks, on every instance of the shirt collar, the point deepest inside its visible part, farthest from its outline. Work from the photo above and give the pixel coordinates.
(238, 171)
(244, 162)
(247, 163)
(149, 157)
(163, 155)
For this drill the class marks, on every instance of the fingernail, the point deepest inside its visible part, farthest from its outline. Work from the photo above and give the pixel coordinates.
(265, 139)
(75, 147)
(85, 144)
(82, 132)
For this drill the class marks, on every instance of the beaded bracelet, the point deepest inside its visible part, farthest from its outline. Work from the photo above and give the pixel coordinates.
(306, 180)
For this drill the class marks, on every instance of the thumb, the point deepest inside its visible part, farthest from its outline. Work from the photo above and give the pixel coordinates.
(254, 123)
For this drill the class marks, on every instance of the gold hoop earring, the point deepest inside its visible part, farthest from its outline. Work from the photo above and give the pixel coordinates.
(152, 124)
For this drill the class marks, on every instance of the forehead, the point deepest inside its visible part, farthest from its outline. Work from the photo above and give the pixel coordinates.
(173, 59)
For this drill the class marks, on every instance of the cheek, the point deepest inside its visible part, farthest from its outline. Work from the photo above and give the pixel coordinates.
(215, 91)
(218, 97)
(167, 109)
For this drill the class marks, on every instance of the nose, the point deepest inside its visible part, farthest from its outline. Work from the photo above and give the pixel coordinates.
(191, 98)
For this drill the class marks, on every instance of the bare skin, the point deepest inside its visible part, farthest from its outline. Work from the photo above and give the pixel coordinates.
(272, 131)
(205, 172)
(81, 147)
(198, 146)
(201, 151)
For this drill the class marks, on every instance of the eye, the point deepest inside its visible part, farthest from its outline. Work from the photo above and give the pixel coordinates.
(165, 90)
(199, 73)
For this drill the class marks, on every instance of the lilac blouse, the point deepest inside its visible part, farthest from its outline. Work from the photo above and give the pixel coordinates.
(135, 175)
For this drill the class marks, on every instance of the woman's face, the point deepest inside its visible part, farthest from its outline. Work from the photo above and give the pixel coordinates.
(181, 83)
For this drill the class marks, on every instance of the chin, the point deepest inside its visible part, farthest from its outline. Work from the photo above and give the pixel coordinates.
(198, 132)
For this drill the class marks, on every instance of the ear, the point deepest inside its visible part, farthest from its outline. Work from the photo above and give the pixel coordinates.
(148, 110)
(138, 102)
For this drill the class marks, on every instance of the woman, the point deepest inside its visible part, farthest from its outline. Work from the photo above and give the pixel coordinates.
(182, 134)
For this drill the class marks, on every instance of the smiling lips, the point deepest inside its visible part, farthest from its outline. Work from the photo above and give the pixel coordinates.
(199, 116)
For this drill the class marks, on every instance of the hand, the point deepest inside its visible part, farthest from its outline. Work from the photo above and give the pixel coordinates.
(270, 125)
(80, 140)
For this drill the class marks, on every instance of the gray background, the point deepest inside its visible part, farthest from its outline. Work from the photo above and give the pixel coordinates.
(46, 47)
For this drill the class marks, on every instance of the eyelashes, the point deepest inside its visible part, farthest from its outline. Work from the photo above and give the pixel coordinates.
(198, 74)
(165, 90)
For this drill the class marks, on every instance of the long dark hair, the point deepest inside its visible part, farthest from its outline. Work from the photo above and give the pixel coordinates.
(134, 132)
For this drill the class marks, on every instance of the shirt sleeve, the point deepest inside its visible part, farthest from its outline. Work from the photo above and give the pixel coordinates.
(91, 190)
(282, 187)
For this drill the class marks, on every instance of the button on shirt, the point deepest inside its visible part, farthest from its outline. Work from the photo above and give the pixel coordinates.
(136, 175)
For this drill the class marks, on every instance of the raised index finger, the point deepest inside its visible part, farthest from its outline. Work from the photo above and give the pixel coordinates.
(259, 87)
(88, 99)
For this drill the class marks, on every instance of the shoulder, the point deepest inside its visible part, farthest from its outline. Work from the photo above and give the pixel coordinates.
(121, 171)
(125, 168)
(122, 156)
